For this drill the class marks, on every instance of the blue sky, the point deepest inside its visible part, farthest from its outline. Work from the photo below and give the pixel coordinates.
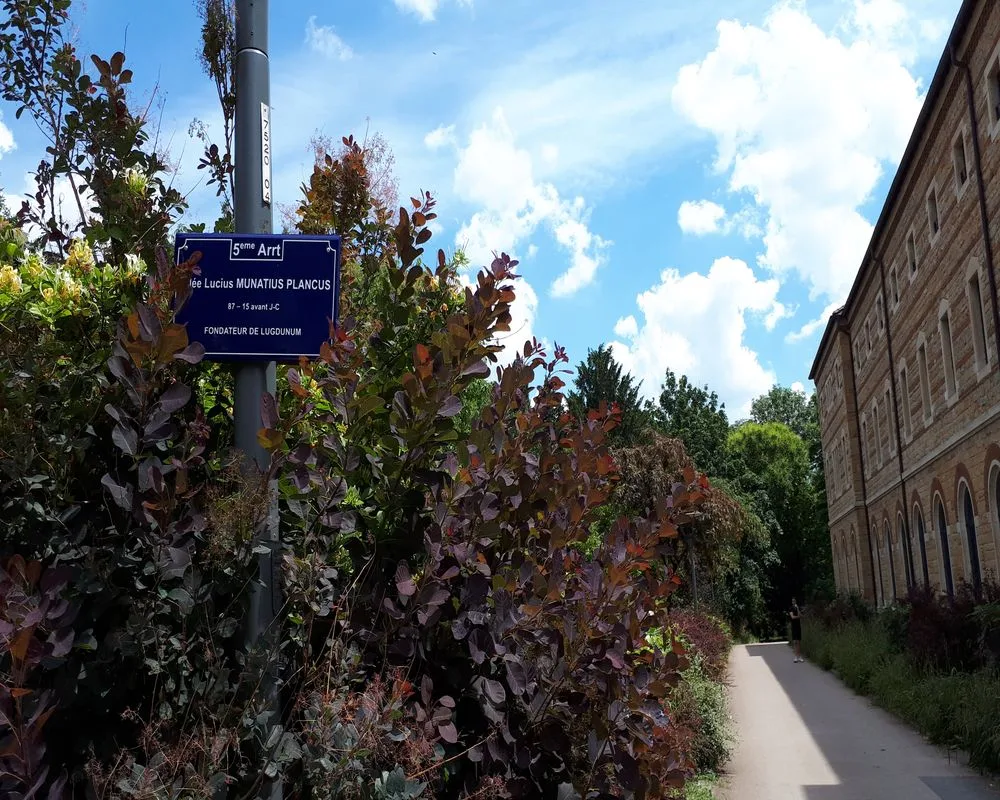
(694, 183)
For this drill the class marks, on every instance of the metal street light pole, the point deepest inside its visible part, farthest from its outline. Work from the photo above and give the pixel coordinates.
(253, 214)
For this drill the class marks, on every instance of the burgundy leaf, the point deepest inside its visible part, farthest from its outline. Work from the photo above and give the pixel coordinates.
(391, 609)
(117, 414)
(269, 411)
(477, 645)
(126, 438)
(478, 370)
(301, 478)
(149, 324)
(175, 398)
(490, 507)
(439, 597)
(494, 691)
(452, 407)
(404, 583)
(173, 562)
(448, 732)
(516, 678)
(61, 641)
(192, 354)
(122, 495)
(157, 429)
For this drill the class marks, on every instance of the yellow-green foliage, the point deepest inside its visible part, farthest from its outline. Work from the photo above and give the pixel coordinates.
(79, 287)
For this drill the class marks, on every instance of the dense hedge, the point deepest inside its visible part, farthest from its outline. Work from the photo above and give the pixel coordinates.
(700, 704)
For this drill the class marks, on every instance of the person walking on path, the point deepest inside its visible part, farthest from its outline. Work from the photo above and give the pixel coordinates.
(796, 617)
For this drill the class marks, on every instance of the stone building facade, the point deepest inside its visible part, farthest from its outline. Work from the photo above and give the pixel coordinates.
(908, 371)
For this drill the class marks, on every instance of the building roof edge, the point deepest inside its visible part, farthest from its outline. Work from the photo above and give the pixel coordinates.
(831, 323)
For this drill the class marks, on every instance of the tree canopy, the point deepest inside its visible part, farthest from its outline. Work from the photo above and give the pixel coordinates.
(695, 415)
(601, 379)
(772, 460)
(762, 536)
(796, 410)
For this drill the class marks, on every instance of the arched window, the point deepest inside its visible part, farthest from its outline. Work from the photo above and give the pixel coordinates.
(994, 485)
(877, 567)
(942, 525)
(892, 564)
(918, 527)
(857, 562)
(970, 535)
(842, 562)
(836, 561)
(907, 553)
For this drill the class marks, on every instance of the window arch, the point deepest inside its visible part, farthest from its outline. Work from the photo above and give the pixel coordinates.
(904, 538)
(857, 562)
(837, 574)
(918, 529)
(942, 530)
(877, 567)
(892, 564)
(994, 503)
(968, 516)
(845, 578)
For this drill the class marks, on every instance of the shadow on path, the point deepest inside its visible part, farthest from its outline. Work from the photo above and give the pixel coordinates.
(803, 735)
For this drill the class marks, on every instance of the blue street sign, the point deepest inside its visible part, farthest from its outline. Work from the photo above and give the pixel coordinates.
(261, 297)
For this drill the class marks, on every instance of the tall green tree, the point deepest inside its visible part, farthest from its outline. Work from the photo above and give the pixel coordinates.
(745, 579)
(787, 406)
(695, 415)
(801, 414)
(794, 409)
(770, 460)
(601, 379)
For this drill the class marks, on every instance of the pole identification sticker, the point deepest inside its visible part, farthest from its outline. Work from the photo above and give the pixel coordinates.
(265, 152)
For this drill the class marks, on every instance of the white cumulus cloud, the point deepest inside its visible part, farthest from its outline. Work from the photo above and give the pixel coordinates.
(441, 136)
(425, 9)
(627, 327)
(804, 122)
(813, 326)
(6, 137)
(497, 176)
(695, 324)
(700, 217)
(324, 39)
